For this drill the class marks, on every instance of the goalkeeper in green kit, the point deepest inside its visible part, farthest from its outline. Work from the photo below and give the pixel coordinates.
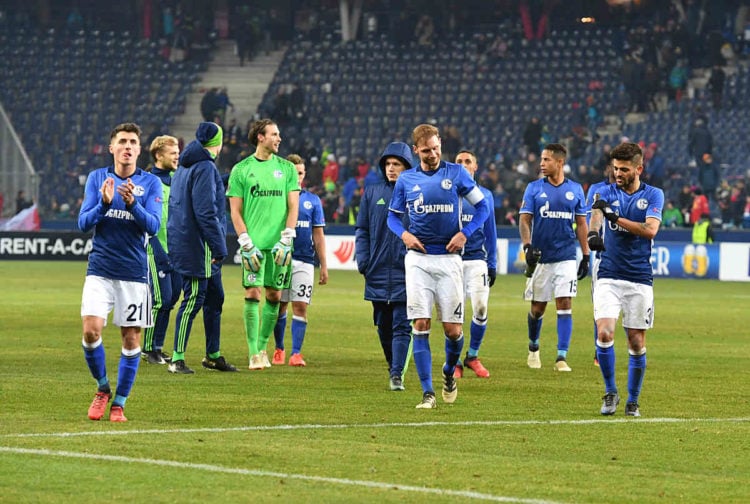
(264, 201)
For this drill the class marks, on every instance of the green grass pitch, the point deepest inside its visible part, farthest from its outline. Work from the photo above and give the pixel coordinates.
(333, 432)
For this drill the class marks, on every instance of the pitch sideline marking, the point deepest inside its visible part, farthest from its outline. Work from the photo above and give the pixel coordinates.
(271, 474)
(289, 427)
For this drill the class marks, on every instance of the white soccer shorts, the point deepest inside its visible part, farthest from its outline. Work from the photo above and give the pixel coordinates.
(551, 281)
(301, 285)
(131, 301)
(634, 300)
(434, 280)
(477, 287)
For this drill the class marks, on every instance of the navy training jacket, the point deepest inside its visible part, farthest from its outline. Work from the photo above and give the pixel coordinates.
(379, 252)
(197, 222)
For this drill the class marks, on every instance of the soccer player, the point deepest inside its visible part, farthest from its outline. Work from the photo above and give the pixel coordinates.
(264, 201)
(164, 280)
(308, 242)
(631, 211)
(380, 258)
(480, 271)
(431, 195)
(596, 188)
(196, 234)
(552, 216)
(122, 204)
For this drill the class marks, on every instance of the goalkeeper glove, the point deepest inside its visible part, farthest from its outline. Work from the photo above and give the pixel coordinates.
(492, 273)
(533, 255)
(595, 241)
(252, 258)
(282, 251)
(583, 267)
(609, 214)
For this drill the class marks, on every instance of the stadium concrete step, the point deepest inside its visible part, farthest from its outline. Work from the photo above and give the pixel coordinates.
(245, 85)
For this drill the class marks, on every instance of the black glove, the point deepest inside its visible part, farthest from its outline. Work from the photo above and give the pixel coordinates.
(492, 273)
(583, 267)
(595, 241)
(609, 214)
(532, 255)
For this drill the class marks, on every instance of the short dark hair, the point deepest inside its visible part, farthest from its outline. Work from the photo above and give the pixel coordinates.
(466, 151)
(556, 148)
(258, 128)
(628, 151)
(127, 127)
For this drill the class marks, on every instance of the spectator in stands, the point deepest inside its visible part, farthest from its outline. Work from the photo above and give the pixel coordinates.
(723, 198)
(708, 176)
(700, 205)
(425, 30)
(233, 137)
(656, 168)
(685, 202)
(716, 85)
(297, 102)
(451, 141)
(737, 202)
(678, 78)
(746, 213)
(532, 135)
(223, 103)
(672, 216)
(209, 104)
(331, 170)
(21, 202)
(700, 140)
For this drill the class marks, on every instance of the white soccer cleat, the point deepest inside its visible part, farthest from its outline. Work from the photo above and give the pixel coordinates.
(256, 363)
(264, 358)
(533, 360)
(561, 365)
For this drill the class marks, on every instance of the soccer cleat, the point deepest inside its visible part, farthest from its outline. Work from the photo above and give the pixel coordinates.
(179, 367)
(561, 365)
(396, 383)
(475, 365)
(533, 360)
(459, 372)
(264, 357)
(428, 401)
(99, 405)
(631, 409)
(167, 358)
(153, 357)
(450, 389)
(297, 360)
(256, 363)
(279, 357)
(116, 414)
(609, 406)
(218, 364)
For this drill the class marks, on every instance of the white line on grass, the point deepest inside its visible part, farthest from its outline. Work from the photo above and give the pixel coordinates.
(488, 423)
(255, 472)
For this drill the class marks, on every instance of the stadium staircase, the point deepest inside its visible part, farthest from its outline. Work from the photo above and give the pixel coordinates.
(246, 86)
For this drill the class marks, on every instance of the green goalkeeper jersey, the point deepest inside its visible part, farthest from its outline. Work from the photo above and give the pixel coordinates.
(264, 187)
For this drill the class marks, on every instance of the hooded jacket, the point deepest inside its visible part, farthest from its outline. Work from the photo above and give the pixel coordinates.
(379, 252)
(196, 225)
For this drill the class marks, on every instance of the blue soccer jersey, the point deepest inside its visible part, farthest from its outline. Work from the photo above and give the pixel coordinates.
(554, 210)
(482, 244)
(433, 201)
(627, 256)
(310, 216)
(120, 235)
